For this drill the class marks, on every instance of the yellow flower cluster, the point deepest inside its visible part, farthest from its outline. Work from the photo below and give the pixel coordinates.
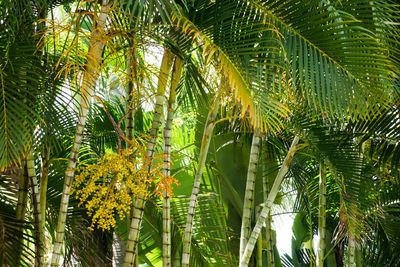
(108, 186)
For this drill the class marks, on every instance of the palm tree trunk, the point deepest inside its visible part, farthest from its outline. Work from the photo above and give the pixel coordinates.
(22, 193)
(21, 207)
(205, 143)
(270, 241)
(30, 163)
(244, 261)
(89, 78)
(268, 229)
(322, 216)
(43, 198)
(351, 251)
(137, 214)
(268, 222)
(248, 203)
(259, 261)
(166, 249)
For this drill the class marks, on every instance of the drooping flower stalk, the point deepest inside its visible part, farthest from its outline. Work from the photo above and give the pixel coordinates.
(92, 66)
(166, 247)
(205, 143)
(30, 165)
(248, 203)
(244, 261)
(137, 213)
(322, 216)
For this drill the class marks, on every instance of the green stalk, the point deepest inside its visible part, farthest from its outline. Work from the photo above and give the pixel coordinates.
(268, 229)
(166, 248)
(270, 163)
(270, 241)
(248, 203)
(259, 261)
(21, 207)
(43, 195)
(322, 216)
(244, 261)
(137, 213)
(205, 143)
(30, 163)
(92, 67)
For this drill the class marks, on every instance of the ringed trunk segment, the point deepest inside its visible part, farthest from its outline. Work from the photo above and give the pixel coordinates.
(244, 261)
(208, 130)
(248, 203)
(30, 163)
(138, 208)
(322, 216)
(166, 247)
(92, 65)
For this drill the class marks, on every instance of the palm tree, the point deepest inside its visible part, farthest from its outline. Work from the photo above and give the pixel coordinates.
(92, 65)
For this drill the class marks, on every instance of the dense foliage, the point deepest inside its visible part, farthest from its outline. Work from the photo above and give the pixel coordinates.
(173, 132)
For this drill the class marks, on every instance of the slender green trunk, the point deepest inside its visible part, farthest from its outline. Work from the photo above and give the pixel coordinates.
(205, 143)
(137, 214)
(268, 221)
(259, 262)
(30, 163)
(322, 216)
(244, 261)
(166, 248)
(270, 241)
(89, 79)
(21, 207)
(177, 260)
(43, 198)
(248, 203)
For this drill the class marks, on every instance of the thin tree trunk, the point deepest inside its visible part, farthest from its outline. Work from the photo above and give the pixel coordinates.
(166, 249)
(322, 216)
(267, 204)
(30, 163)
(94, 55)
(21, 207)
(248, 203)
(351, 251)
(205, 143)
(22, 193)
(268, 230)
(270, 241)
(137, 214)
(43, 198)
(268, 222)
(177, 260)
(259, 262)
